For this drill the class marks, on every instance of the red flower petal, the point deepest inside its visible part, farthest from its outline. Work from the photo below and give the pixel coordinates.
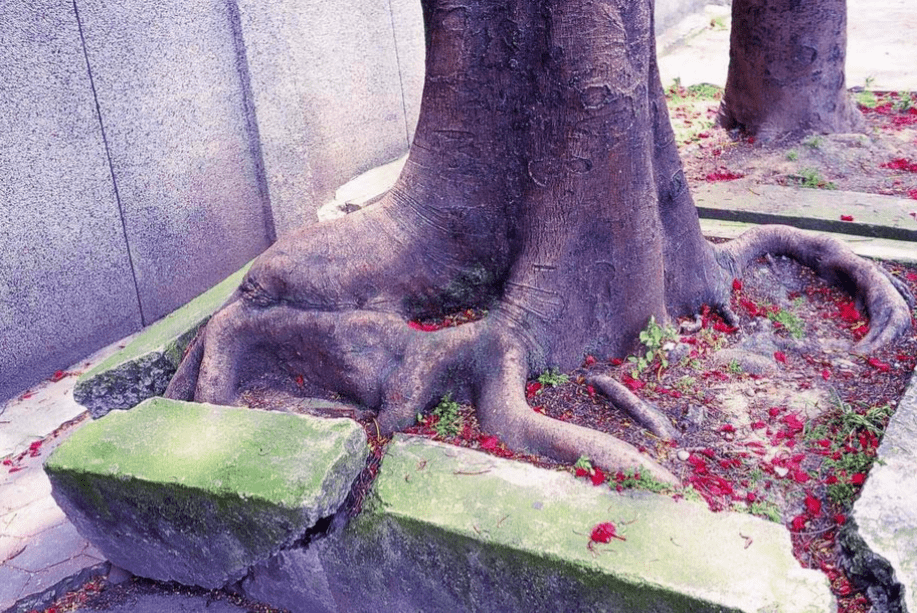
(813, 505)
(737, 284)
(490, 443)
(799, 523)
(840, 519)
(604, 532)
(589, 361)
(858, 479)
(826, 374)
(846, 217)
(780, 357)
(597, 477)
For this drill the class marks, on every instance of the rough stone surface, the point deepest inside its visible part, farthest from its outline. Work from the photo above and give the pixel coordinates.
(180, 137)
(326, 83)
(197, 493)
(448, 529)
(144, 368)
(65, 279)
(880, 538)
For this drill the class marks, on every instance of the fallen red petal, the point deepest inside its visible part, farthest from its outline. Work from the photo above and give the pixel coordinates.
(846, 217)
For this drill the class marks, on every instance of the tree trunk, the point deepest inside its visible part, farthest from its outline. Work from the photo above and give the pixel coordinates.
(543, 184)
(786, 69)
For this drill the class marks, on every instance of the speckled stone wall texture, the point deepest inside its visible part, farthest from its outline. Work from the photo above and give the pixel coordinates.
(329, 84)
(149, 149)
(172, 103)
(65, 278)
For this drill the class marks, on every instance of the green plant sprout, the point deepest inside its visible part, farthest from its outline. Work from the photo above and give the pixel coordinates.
(792, 155)
(812, 179)
(790, 321)
(653, 337)
(449, 422)
(552, 377)
(813, 142)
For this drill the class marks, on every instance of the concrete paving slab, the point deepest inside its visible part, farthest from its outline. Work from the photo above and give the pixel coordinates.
(881, 45)
(35, 413)
(873, 215)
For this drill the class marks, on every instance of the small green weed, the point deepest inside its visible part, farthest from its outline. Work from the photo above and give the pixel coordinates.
(449, 422)
(792, 155)
(640, 481)
(718, 23)
(866, 99)
(653, 338)
(552, 377)
(767, 510)
(735, 368)
(812, 179)
(788, 320)
(686, 384)
(705, 91)
(904, 103)
(813, 142)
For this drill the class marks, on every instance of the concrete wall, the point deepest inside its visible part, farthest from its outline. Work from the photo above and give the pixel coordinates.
(149, 148)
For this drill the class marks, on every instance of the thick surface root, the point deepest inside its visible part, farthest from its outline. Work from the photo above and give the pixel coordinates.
(887, 301)
(640, 410)
(376, 360)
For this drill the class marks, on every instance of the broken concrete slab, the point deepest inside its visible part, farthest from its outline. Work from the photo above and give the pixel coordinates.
(880, 538)
(144, 368)
(197, 493)
(449, 529)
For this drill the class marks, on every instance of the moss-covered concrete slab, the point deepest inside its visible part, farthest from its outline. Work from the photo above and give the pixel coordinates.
(144, 368)
(197, 493)
(449, 529)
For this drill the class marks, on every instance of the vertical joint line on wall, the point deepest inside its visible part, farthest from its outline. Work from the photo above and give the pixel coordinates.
(111, 166)
(251, 119)
(404, 104)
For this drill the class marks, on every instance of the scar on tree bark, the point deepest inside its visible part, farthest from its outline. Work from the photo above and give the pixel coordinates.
(544, 185)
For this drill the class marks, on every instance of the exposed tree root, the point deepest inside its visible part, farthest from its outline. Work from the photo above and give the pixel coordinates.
(887, 302)
(643, 412)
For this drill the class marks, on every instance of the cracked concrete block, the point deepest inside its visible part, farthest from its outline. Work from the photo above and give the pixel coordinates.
(144, 368)
(450, 529)
(196, 493)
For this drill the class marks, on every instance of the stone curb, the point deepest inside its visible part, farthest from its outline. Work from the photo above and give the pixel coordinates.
(452, 529)
(144, 368)
(880, 538)
(160, 492)
(873, 215)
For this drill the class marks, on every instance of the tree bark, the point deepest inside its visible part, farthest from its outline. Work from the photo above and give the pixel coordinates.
(786, 69)
(543, 184)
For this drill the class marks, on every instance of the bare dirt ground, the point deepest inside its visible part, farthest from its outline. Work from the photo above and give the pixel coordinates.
(880, 160)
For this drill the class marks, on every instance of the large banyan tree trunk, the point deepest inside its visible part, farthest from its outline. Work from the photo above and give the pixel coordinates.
(786, 69)
(544, 185)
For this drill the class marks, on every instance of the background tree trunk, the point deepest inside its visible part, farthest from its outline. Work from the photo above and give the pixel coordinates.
(786, 69)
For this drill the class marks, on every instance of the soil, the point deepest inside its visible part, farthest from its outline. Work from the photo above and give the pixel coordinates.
(779, 417)
(880, 160)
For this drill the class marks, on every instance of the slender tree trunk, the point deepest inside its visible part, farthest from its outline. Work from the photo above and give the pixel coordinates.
(786, 69)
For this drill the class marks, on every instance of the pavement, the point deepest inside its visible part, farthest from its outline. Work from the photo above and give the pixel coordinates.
(43, 556)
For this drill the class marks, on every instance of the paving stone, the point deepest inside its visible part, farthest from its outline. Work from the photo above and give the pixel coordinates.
(34, 519)
(145, 367)
(197, 493)
(10, 546)
(24, 487)
(12, 583)
(52, 547)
